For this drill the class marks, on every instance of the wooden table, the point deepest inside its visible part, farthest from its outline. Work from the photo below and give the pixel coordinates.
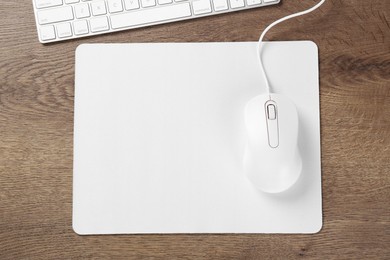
(36, 135)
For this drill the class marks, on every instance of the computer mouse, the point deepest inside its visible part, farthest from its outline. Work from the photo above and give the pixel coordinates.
(272, 160)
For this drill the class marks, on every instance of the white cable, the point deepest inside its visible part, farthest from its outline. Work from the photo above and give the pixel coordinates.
(260, 43)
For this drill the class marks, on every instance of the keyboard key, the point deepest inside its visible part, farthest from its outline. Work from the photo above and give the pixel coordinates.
(201, 6)
(98, 8)
(148, 3)
(64, 30)
(220, 5)
(131, 4)
(47, 3)
(115, 6)
(163, 2)
(47, 33)
(71, 1)
(82, 11)
(150, 15)
(80, 27)
(253, 2)
(55, 15)
(99, 24)
(236, 3)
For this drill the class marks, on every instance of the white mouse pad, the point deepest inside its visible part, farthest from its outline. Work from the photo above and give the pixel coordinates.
(159, 138)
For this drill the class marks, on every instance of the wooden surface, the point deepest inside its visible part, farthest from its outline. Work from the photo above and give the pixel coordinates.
(36, 134)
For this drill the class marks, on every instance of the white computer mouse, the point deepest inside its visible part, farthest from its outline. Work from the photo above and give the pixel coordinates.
(272, 160)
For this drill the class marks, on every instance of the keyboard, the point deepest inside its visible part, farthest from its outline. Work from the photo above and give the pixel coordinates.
(59, 20)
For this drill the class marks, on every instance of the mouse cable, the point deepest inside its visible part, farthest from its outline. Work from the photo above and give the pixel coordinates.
(260, 42)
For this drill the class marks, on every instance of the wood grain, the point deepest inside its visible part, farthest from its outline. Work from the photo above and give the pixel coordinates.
(36, 134)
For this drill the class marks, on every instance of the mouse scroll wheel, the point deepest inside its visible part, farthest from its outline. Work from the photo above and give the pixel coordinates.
(271, 112)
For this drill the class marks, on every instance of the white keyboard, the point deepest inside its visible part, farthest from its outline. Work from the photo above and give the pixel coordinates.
(59, 20)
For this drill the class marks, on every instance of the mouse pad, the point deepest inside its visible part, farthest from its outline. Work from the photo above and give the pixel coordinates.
(159, 138)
